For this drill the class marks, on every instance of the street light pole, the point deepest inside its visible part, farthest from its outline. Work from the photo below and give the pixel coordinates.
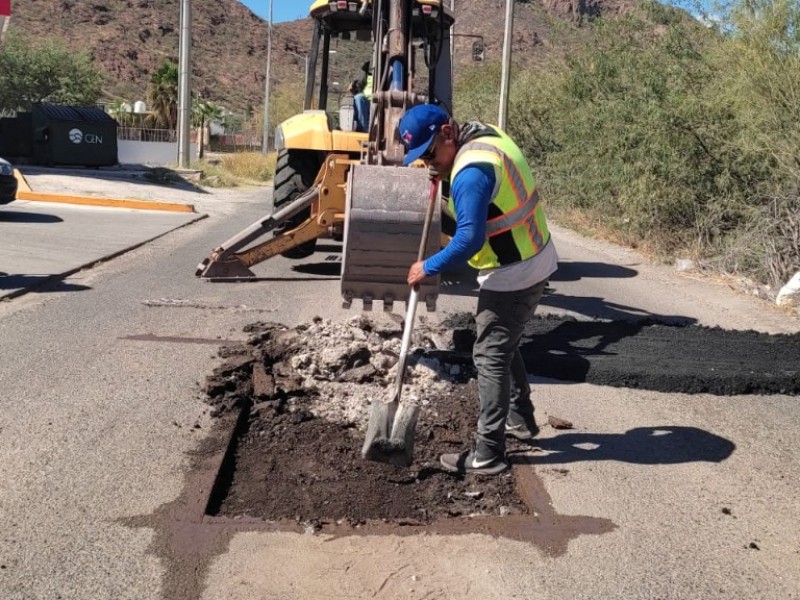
(453, 41)
(184, 84)
(503, 118)
(265, 140)
(305, 64)
(5, 18)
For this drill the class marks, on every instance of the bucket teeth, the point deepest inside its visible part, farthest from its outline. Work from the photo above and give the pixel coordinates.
(367, 300)
(388, 303)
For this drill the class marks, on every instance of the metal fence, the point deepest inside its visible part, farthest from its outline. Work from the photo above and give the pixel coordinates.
(230, 142)
(138, 134)
(236, 142)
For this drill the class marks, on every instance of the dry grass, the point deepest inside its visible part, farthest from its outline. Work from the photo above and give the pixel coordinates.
(237, 169)
(252, 166)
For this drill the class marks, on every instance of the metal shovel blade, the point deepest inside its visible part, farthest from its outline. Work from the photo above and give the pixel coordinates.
(391, 427)
(390, 433)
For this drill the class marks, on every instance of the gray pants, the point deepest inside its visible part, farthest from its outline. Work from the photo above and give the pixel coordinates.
(502, 378)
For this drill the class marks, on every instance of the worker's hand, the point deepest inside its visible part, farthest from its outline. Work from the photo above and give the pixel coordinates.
(433, 174)
(416, 273)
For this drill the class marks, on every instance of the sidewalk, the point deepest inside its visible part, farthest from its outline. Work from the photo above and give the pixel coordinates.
(128, 186)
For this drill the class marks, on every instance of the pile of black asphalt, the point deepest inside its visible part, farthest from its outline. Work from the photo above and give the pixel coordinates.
(652, 355)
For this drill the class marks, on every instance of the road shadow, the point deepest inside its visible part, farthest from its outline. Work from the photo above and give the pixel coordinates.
(38, 283)
(599, 308)
(334, 248)
(13, 216)
(658, 445)
(321, 269)
(575, 271)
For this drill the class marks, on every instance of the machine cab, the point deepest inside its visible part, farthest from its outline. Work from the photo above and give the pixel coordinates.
(343, 51)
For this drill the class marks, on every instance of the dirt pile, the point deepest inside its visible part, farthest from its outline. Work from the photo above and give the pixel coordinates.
(339, 368)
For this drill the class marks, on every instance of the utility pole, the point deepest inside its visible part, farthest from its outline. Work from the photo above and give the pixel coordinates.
(305, 64)
(265, 140)
(453, 41)
(185, 85)
(506, 64)
(5, 17)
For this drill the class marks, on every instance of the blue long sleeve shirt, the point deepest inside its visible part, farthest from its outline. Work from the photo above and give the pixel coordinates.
(472, 194)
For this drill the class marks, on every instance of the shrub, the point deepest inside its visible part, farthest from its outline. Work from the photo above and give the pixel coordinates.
(677, 137)
(252, 166)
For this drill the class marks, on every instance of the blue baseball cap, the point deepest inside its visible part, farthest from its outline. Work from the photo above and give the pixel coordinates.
(418, 126)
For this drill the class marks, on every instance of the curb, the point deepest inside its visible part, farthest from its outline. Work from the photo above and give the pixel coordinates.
(22, 183)
(108, 202)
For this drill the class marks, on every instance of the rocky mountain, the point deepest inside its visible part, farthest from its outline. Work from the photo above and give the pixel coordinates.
(128, 39)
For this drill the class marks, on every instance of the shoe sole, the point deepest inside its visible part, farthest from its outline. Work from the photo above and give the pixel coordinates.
(522, 435)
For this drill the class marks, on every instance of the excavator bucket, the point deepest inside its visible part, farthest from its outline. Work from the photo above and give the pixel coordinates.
(386, 209)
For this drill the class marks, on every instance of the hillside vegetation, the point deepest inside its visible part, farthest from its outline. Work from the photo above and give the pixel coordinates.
(683, 140)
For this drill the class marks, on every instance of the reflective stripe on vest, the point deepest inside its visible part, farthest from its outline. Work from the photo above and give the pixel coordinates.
(515, 196)
(367, 91)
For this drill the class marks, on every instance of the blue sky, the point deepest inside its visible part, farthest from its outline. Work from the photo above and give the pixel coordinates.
(282, 10)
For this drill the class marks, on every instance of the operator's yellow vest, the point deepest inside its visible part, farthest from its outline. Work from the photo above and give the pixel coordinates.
(367, 91)
(515, 197)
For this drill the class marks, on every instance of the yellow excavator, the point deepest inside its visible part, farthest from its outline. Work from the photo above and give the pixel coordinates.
(333, 182)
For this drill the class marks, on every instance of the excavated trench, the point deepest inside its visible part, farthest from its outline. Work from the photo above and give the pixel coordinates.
(306, 394)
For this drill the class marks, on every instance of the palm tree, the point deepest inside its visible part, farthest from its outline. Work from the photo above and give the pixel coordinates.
(162, 95)
(203, 112)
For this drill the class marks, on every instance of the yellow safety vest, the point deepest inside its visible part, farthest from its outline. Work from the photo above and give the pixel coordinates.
(519, 231)
(367, 91)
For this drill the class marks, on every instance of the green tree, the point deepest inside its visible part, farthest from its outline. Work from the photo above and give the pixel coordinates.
(203, 113)
(45, 72)
(162, 96)
(286, 101)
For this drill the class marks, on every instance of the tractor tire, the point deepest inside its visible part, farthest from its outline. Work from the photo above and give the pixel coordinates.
(295, 173)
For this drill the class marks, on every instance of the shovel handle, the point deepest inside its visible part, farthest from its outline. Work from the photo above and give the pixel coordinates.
(413, 297)
(426, 227)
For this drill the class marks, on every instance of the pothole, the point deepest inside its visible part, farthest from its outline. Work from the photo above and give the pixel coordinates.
(307, 392)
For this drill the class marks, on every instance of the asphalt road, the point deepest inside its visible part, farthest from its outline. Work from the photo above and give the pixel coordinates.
(42, 242)
(100, 410)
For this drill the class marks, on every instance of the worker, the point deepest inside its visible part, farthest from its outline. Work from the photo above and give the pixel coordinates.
(360, 105)
(502, 232)
(363, 97)
(366, 79)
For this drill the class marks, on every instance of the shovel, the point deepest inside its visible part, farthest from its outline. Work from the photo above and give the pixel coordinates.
(392, 424)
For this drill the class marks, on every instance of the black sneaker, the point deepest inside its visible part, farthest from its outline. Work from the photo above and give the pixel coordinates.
(522, 428)
(469, 461)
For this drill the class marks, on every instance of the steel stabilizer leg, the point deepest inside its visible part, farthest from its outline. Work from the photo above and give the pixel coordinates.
(223, 263)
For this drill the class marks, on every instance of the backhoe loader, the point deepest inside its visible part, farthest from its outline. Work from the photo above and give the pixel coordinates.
(337, 183)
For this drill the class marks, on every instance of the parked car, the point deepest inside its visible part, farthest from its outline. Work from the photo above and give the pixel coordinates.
(8, 183)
